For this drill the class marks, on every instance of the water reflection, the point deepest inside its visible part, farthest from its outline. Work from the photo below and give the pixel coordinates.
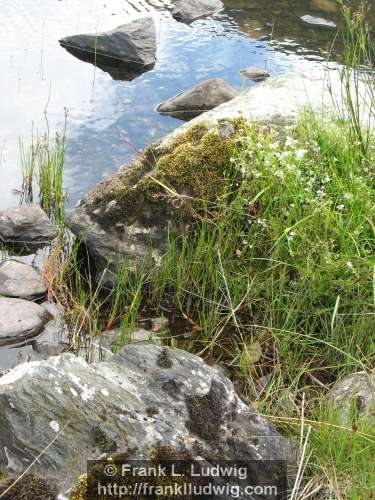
(109, 120)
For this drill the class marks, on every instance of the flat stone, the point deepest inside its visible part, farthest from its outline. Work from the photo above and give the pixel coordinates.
(319, 22)
(188, 11)
(354, 396)
(20, 320)
(21, 281)
(256, 74)
(26, 227)
(124, 53)
(144, 397)
(198, 99)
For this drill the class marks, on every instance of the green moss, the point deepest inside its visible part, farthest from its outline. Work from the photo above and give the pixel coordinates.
(196, 164)
(206, 413)
(163, 360)
(80, 491)
(102, 441)
(29, 487)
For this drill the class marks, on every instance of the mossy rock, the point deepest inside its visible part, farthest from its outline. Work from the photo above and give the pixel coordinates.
(194, 165)
(130, 214)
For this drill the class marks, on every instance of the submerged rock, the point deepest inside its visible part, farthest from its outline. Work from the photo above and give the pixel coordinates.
(188, 11)
(145, 399)
(20, 320)
(21, 280)
(354, 397)
(256, 74)
(26, 227)
(197, 100)
(319, 22)
(124, 52)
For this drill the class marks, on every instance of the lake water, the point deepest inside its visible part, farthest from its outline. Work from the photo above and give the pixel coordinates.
(109, 120)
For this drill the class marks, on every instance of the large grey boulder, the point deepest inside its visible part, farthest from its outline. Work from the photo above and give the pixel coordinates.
(26, 227)
(354, 397)
(125, 52)
(21, 280)
(188, 11)
(20, 320)
(198, 99)
(145, 398)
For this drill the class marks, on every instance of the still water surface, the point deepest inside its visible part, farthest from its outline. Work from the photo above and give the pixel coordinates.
(108, 119)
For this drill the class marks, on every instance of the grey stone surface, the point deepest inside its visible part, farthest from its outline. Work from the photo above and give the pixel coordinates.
(26, 227)
(188, 11)
(125, 52)
(354, 396)
(21, 281)
(318, 22)
(20, 320)
(145, 397)
(198, 99)
(256, 74)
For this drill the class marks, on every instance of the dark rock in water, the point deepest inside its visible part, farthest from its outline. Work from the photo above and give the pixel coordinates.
(256, 74)
(200, 98)
(26, 228)
(354, 397)
(146, 399)
(188, 11)
(20, 320)
(319, 22)
(124, 52)
(21, 281)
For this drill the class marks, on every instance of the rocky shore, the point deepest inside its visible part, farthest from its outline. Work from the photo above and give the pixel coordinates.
(143, 400)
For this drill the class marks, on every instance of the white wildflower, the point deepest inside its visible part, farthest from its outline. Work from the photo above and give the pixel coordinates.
(300, 153)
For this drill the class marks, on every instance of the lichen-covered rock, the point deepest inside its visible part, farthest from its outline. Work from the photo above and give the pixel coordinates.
(21, 280)
(354, 397)
(130, 214)
(188, 11)
(20, 320)
(198, 99)
(26, 227)
(145, 398)
(124, 52)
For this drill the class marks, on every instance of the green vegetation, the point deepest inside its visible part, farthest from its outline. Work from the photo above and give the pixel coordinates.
(43, 162)
(275, 277)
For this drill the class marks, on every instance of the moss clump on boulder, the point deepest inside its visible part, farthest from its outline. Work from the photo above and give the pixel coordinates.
(29, 487)
(195, 163)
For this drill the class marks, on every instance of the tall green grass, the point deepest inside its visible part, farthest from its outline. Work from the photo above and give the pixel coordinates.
(42, 169)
